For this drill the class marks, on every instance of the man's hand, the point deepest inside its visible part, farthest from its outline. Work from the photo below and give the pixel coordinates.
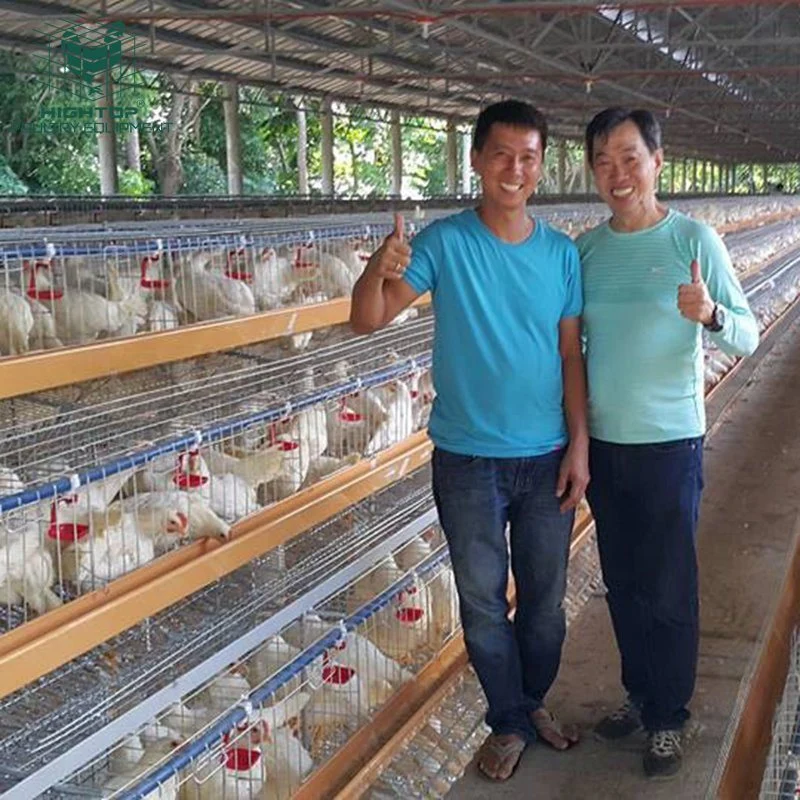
(694, 301)
(390, 260)
(574, 473)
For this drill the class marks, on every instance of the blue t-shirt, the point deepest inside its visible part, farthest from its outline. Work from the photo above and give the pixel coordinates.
(496, 361)
(644, 360)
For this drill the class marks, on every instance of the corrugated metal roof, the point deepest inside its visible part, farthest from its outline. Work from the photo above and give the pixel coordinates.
(724, 75)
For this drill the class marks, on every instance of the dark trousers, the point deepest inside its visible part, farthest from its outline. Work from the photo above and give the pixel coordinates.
(645, 500)
(516, 662)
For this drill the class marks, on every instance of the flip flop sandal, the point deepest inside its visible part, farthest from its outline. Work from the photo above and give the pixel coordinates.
(502, 753)
(546, 722)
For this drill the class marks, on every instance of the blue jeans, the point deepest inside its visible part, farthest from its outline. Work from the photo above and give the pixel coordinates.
(646, 500)
(476, 498)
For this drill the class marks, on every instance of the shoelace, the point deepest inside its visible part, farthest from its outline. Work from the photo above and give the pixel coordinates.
(665, 743)
(623, 712)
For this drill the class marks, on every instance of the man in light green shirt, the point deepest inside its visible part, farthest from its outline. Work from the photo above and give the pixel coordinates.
(653, 279)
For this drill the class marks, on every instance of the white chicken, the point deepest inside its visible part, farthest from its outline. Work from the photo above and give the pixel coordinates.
(82, 316)
(288, 763)
(26, 570)
(10, 482)
(380, 673)
(323, 466)
(42, 335)
(395, 398)
(199, 519)
(238, 772)
(353, 422)
(318, 271)
(208, 295)
(274, 654)
(442, 591)
(94, 560)
(16, 323)
(272, 280)
(224, 692)
(300, 439)
(184, 720)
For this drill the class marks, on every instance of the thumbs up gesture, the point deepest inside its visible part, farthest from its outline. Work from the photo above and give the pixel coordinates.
(694, 301)
(390, 260)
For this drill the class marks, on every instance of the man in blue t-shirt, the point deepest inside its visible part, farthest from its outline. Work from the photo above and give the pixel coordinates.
(507, 370)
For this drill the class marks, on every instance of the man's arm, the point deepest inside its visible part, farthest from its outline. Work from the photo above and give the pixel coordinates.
(575, 465)
(380, 294)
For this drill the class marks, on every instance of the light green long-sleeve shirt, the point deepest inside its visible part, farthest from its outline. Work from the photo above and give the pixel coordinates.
(644, 360)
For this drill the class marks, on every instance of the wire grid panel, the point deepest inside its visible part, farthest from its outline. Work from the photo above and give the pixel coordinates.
(782, 773)
(77, 287)
(117, 477)
(261, 726)
(57, 712)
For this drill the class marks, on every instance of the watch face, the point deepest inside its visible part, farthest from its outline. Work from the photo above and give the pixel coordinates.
(719, 318)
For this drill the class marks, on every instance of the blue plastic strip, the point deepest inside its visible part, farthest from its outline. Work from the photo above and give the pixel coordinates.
(113, 245)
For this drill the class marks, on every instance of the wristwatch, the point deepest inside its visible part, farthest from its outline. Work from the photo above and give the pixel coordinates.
(717, 319)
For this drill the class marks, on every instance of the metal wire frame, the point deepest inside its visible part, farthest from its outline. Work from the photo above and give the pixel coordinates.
(334, 665)
(73, 535)
(63, 710)
(68, 287)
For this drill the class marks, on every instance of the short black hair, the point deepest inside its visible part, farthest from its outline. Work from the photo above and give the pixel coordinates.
(509, 112)
(603, 123)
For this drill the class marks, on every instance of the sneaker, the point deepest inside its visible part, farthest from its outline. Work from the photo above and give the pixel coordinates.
(623, 722)
(664, 754)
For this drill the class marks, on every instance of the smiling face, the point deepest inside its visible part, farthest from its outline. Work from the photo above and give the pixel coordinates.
(509, 165)
(626, 173)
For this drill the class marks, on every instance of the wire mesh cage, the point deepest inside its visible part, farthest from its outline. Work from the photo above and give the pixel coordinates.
(72, 287)
(782, 773)
(146, 669)
(113, 474)
(265, 721)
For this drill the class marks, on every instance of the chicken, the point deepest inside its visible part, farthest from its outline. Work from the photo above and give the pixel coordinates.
(26, 570)
(319, 271)
(10, 482)
(395, 398)
(288, 763)
(405, 625)
(259, 467)
(272, 280)
(274, 654)
(301, 439)
(323, 466)
(441, 589)
(152, 508)
(16, 323)
(353, 423)
(238, 772)
(224, 692)
(117, 550)
(185, 721)
(42, 335)
(82, 316)
(379, 673)
(207, 295)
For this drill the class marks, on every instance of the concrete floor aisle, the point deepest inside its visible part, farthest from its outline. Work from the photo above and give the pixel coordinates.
(750, 507)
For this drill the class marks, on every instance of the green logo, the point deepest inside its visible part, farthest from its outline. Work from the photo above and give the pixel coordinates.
(83, 58)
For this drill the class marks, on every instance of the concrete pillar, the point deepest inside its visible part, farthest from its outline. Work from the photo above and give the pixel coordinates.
(765, 177)
(586, 184)
(397, 155)
(703, 184)
(685, 176)
(466, 167)
(452, 157)
(327, 148)
(233, 139)
(733, 177)
(302, 151)
(562, 166)
(107, 142)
